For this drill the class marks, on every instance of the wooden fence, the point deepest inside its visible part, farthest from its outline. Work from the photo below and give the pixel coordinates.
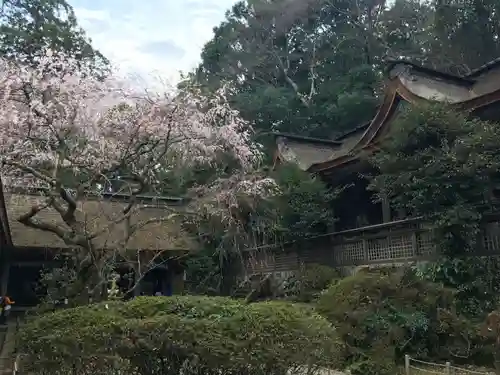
(417, 367)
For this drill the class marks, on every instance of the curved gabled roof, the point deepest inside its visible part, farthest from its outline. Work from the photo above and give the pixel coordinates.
(409, 83)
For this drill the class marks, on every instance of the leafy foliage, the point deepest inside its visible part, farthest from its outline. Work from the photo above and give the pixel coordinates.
(476, 281)
(305, 204)
(204, 274)
(309, 281)
(385, 314)
(164, 335)
(69, 133)
(315, 67)
(301, 207)
(457, 28)
(442, 165)
(28, 27)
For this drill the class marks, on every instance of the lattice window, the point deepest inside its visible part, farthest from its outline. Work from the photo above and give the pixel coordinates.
(491, 238)
(376, 248)
(401, 246)
(389, 248)
(350, 252)
(425, 244)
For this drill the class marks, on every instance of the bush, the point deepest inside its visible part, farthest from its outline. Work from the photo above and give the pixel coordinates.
(491, 332)
(306, 284)
(162, 335)
(372, 367)
(476, 280)
(384, 315)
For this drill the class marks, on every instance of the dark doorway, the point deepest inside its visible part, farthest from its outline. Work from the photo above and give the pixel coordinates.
(157, 281)
(24, 285)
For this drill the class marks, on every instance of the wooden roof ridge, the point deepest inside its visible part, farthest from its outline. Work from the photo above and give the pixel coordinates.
(395, 92)
(462, 80)
(353, 130)
(469, 78)
(383, 115)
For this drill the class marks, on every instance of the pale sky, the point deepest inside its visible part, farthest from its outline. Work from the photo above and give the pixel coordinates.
(159, 37)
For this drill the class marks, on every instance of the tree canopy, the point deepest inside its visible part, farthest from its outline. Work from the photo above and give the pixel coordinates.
(29, 27)
(316, 67)
(68, 133)
(442, 165)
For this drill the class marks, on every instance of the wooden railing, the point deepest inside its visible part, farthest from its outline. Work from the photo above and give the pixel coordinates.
(394, 242)
(388, 242)
(400, 241)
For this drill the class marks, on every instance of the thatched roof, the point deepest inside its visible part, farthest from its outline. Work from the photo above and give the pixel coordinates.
(307, 153)
(96, 214)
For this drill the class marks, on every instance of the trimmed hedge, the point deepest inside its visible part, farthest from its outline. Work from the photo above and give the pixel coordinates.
(162, 335)
(382, 315)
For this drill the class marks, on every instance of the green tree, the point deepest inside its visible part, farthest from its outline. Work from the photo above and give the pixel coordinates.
(384, 314)
(27, 27)
(305, 204)
(301, 207)
(297, 66)
(466, 34)
(315, 67)
(441, 164)
(475, 279)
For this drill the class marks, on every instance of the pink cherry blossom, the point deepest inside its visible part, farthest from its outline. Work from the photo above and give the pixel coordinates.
(59, 120)
(59, 117)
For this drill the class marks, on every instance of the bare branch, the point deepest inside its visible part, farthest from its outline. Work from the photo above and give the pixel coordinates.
(312, 74)
(31, 170)
(29, 220)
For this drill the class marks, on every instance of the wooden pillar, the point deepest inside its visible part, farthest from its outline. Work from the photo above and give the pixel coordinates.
(178, 283)
(386, 210)
(333, 225)
(137, 281)
(4, 281)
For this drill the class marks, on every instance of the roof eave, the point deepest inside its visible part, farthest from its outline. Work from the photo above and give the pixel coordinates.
(299, 138)
(494, 64)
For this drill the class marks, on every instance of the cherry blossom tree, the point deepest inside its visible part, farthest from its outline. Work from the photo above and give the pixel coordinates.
(67, 134)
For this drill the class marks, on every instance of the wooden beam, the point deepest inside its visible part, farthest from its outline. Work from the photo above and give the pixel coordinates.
(386, 210)
(4, 281)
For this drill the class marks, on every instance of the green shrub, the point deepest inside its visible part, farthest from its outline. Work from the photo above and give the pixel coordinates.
(307, 283)
(476, 279)
(383, 314)
(162, 335)
(373, 367)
